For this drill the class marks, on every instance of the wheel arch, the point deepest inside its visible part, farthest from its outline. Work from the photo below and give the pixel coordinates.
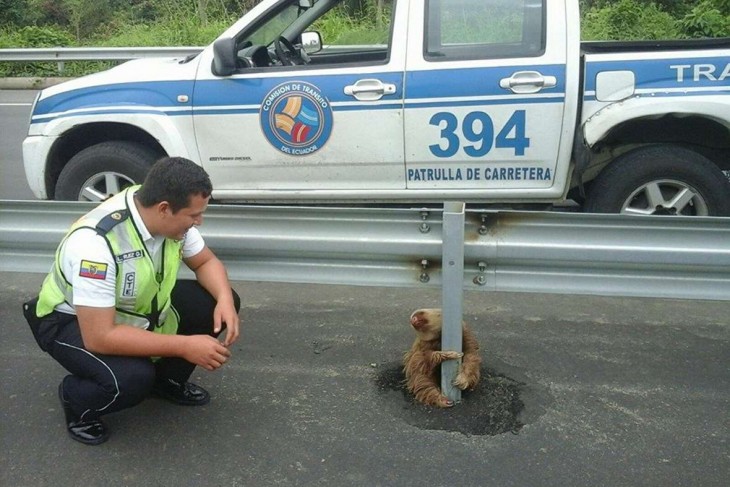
(80, 137)
(704, 129)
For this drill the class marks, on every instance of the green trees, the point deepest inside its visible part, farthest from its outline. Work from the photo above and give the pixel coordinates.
(197, 22)
(709, 18)
(628, 20)
(654, 19)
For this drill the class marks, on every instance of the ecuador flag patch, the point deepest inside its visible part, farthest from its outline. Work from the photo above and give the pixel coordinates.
(92, 270)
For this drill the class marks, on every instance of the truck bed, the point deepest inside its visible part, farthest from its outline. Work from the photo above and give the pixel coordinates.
(602, 47)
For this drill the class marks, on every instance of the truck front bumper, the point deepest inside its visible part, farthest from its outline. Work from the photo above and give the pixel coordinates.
(35, 157)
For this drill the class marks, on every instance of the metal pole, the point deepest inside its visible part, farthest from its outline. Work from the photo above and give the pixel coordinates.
(452, 295)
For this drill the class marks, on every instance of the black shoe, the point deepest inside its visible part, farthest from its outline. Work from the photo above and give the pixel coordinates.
(91, 432)
(185, 394)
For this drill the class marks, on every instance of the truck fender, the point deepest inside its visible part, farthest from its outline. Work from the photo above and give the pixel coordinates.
(158, 125)
(598, 125)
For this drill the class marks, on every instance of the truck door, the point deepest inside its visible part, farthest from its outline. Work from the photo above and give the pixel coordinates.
(326, 122)
(486, 96)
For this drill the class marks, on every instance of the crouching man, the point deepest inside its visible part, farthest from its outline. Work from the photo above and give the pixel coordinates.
(113, 313)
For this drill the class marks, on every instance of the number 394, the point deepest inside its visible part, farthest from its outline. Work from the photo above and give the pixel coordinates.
(478, 130)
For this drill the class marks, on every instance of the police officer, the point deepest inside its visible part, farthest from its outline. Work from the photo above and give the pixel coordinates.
(112, 312)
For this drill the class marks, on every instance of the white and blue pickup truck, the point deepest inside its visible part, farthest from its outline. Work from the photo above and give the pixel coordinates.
(488, 101)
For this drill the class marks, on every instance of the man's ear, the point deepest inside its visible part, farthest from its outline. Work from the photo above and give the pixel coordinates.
(164, 208)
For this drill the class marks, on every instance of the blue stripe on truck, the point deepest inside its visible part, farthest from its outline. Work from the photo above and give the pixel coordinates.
(442, 87)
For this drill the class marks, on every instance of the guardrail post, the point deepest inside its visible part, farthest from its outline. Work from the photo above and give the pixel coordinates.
(452, 293)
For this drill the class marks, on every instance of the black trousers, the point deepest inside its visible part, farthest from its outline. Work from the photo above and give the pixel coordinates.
(102, 384)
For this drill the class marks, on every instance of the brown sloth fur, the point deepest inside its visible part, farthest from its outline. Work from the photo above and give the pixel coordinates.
(421, 362)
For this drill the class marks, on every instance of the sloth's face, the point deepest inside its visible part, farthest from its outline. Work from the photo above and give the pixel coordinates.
(427, 323)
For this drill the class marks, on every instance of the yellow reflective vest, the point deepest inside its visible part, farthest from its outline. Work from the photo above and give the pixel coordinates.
(142, 294)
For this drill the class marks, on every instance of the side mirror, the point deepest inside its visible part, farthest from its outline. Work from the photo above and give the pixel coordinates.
(304, 5)
(224, 57)
(311, 42)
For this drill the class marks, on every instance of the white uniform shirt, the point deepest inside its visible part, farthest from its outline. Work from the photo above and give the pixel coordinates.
(85, 244)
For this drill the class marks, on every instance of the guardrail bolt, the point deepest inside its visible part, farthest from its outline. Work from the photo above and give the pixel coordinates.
(424, 277)
(481, 279)
(425, 227)
(483, 229)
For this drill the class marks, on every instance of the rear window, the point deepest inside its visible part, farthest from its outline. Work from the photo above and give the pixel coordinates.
(484, 29)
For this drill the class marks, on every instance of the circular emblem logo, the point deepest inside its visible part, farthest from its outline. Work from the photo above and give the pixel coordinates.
(116, 216)
(296, 118)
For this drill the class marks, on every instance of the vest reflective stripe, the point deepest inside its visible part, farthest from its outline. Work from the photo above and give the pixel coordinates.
(137, 283)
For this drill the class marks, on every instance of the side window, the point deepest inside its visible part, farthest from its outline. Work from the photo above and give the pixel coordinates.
(303, 32)
(355, 31)
(483, 29)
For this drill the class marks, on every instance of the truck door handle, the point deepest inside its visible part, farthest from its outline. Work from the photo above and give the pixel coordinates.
(369, 89)
(527, 82)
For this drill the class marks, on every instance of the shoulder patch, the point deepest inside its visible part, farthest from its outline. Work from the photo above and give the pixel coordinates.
(111, 220)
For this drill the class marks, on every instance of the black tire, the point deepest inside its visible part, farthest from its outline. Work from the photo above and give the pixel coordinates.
(660, 180)
(102, 170)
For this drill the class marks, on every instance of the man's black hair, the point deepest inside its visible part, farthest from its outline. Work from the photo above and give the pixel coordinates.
(175, 180)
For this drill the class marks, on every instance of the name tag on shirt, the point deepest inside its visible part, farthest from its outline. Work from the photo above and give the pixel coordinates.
(136, 254)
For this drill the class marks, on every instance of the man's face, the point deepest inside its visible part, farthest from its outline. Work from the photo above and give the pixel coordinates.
(176, 225)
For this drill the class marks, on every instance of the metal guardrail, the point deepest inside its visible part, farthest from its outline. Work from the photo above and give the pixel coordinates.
(573, 253)
(93, 53)
(61, 55)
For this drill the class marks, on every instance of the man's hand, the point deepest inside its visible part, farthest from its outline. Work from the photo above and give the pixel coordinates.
(212, 276)
(205, 351)
(225, 312)
(101, 335)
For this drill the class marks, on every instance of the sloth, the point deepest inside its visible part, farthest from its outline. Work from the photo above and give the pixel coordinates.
(421, 363)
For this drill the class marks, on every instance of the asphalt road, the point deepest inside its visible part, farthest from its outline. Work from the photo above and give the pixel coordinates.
(606, 392)
(613, 392)
(14, 113)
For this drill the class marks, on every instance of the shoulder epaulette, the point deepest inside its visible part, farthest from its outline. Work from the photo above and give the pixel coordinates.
(111, 220)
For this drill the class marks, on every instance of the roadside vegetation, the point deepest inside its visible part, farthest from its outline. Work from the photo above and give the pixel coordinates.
(132, 23)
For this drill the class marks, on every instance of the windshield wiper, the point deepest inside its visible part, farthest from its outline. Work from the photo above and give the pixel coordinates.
(189, 58)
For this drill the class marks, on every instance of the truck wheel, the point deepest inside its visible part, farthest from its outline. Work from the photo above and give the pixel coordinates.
(660, 180)
(103, 170)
